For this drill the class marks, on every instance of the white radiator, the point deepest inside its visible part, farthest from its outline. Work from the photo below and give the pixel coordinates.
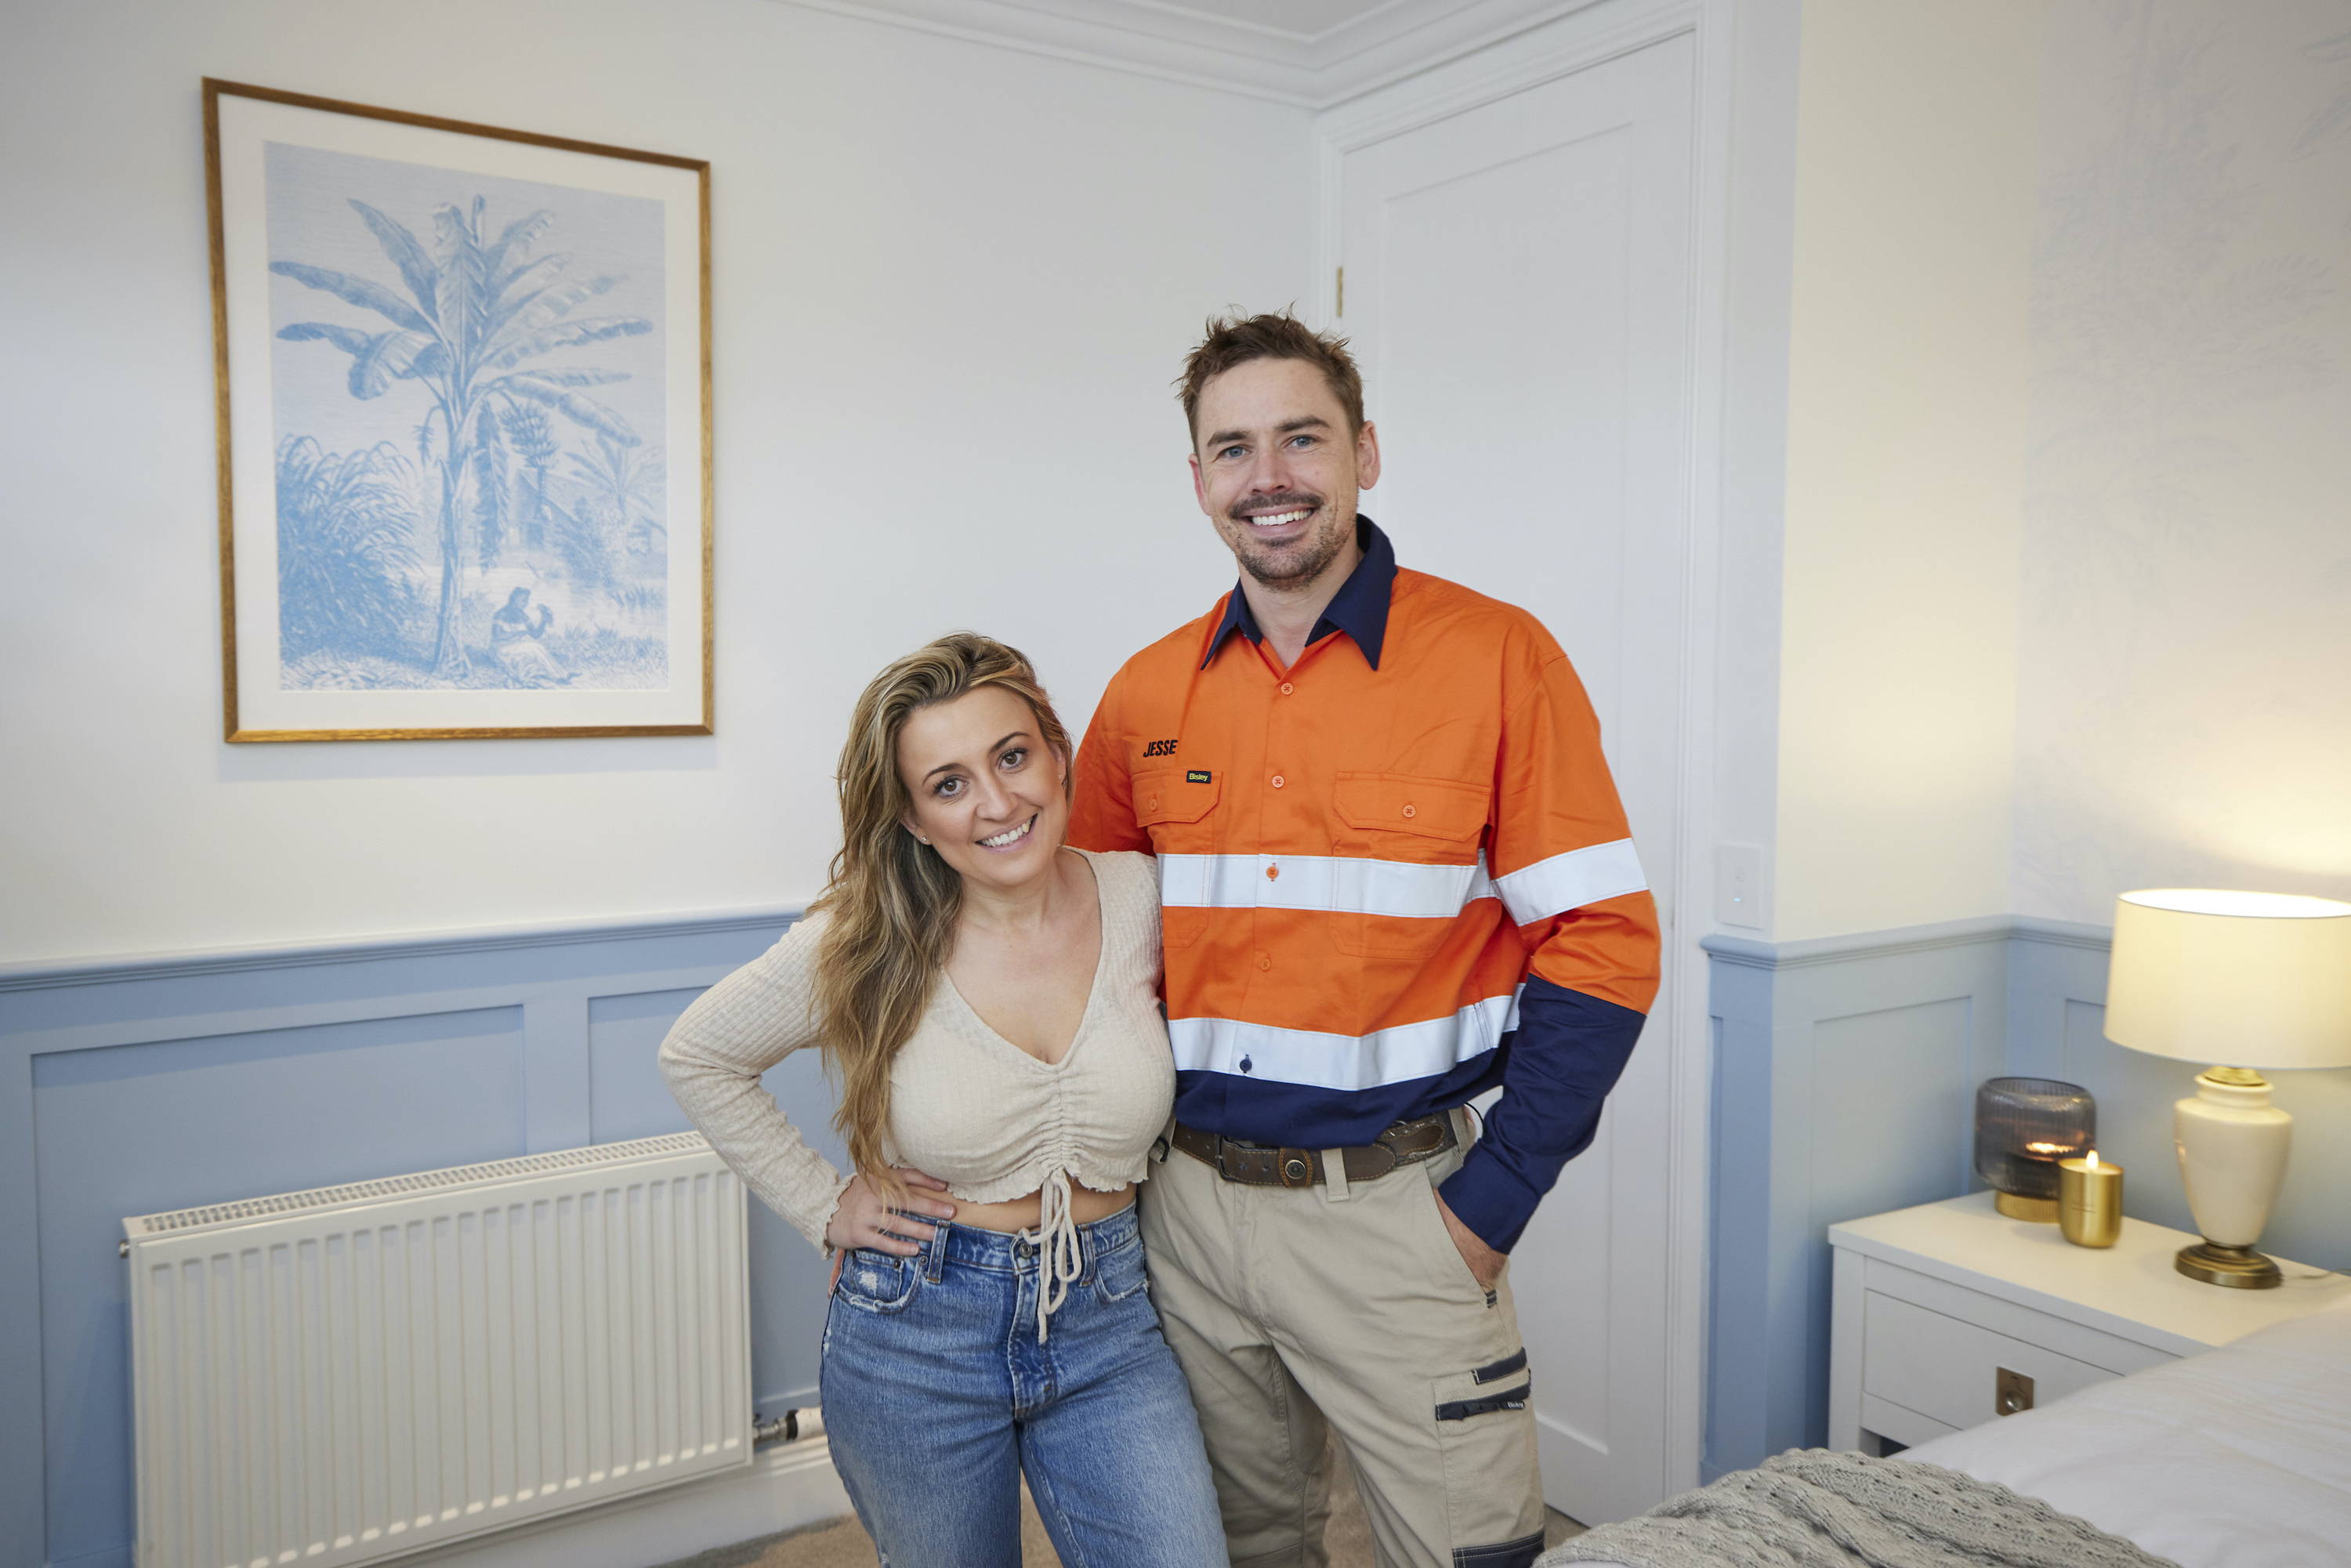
(357, 1372)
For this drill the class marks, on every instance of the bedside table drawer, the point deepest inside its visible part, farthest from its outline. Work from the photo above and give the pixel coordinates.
(1949, 1369)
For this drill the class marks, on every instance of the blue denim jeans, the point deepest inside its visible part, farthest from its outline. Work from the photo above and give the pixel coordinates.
(938, 1397)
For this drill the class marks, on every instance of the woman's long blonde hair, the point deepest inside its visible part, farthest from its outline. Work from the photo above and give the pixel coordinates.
(892, 902)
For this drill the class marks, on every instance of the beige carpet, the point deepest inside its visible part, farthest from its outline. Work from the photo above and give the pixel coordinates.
(843, 1544)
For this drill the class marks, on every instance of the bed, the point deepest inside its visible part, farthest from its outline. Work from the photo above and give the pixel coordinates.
(2239, 1457)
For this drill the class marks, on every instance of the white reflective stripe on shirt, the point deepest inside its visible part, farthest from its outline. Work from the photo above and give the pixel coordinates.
(1571, 881)
(1337, 882)
(1345, 1061)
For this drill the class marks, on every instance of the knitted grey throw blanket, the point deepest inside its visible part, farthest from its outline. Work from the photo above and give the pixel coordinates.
(1812, 1507)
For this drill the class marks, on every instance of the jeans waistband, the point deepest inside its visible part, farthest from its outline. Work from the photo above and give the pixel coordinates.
(1011, 1251)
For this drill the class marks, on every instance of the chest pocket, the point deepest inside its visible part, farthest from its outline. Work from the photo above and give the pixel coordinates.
(1179, 812)
(1422, 838)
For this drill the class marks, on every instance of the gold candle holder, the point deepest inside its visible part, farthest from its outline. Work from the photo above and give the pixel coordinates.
(2090, 1200)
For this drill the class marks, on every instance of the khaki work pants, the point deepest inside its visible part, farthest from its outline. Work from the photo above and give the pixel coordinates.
(1299, 1311)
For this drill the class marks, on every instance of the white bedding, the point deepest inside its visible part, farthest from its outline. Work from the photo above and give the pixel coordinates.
(2240, 1458)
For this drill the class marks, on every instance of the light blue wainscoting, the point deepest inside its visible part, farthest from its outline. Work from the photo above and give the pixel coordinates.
(1846, 1075)
(137, 1086)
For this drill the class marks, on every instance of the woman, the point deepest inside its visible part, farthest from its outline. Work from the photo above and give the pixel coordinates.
(520, 645)
(988, 1001)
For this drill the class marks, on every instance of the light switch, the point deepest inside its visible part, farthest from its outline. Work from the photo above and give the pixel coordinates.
(1738, 886)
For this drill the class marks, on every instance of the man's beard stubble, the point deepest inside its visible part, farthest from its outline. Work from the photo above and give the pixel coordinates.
(1303, 562)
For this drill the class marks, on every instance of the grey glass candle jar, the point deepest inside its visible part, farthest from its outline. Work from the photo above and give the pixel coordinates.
(2024, 1127)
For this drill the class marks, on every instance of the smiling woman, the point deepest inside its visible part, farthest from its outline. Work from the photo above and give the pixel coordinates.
(977, 795)
(990, 1002)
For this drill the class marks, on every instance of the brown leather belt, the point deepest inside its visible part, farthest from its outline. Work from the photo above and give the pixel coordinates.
(1266, 1165)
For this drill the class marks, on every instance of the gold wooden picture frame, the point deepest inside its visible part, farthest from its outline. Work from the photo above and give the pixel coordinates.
(463, 377)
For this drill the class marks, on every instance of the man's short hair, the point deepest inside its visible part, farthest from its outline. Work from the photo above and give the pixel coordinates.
(1236, 340)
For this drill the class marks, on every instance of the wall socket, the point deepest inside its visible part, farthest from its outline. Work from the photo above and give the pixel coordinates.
(1738, 886)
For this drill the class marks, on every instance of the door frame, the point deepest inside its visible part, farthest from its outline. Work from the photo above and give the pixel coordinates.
(1587, 34)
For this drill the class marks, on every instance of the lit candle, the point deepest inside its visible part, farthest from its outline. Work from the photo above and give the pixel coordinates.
(2090, 1200)
(2031, 1192)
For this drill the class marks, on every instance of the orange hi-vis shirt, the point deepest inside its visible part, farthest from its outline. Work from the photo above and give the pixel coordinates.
(1391, 876)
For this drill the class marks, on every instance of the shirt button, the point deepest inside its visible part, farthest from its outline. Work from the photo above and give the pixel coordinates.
(1265, 960)
(1408, 811)
(1273, 873)
(1152, 804)
(1277, 780)
(1285, 689)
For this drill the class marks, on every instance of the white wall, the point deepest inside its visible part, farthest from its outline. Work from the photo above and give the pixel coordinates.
(1759, 250)
(2185, 714)
(952, 285)
(2068, 575)
(1914, 203)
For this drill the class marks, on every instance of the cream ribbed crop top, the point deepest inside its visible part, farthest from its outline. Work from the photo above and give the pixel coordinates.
(967, 1105)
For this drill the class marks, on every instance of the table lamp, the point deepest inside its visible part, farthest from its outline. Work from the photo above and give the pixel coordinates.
(2258, 980)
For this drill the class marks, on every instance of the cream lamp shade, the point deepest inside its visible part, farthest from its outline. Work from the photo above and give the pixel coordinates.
(2244, 981)
(2253, 979)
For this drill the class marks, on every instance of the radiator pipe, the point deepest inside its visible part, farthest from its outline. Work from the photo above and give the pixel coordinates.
(788, 1428)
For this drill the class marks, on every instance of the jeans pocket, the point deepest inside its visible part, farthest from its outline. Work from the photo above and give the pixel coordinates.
(877, 1281)
(1119, 1273)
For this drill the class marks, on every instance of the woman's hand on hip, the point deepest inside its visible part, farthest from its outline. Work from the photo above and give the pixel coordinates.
(864, 1217)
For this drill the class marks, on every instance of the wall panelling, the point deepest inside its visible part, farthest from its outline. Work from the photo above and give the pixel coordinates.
(142, 1085)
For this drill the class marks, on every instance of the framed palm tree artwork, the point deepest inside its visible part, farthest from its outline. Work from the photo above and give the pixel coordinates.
(464, 384)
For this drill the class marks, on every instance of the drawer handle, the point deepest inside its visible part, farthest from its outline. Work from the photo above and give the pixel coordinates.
(2010, 1391)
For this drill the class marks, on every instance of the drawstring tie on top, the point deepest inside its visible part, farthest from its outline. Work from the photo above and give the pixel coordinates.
(1062, 1258)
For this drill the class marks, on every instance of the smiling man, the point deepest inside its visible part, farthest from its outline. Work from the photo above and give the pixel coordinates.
(1393, 875)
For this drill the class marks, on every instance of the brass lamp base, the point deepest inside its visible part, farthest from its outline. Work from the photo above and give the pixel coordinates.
(2240, 1268)
(2039, 1211)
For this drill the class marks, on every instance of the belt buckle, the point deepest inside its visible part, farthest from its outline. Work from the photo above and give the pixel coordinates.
(1296, 1168)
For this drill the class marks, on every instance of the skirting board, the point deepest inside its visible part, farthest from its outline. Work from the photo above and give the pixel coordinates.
(788, 1486)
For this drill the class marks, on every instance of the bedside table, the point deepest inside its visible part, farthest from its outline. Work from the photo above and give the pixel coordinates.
(1951, 1314)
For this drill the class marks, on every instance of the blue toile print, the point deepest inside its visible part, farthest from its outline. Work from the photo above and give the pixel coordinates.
(468, 387)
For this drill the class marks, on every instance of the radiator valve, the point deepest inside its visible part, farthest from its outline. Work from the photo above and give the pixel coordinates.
(789, 1427)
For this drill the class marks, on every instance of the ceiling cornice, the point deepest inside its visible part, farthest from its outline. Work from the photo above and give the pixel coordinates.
(1166, 40)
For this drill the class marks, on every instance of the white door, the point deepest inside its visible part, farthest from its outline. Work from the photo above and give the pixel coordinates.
(1517, 286)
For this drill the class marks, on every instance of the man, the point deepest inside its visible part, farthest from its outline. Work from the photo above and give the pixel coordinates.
(1393, 875)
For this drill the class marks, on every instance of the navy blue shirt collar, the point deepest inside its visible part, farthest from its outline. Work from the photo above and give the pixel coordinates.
(1359, 607)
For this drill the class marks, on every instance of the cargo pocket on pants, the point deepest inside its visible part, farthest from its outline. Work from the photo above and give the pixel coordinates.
(1485, 1430)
